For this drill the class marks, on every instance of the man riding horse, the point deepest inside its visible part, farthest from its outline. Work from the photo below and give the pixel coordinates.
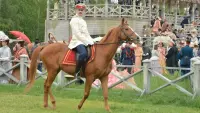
(80, 37)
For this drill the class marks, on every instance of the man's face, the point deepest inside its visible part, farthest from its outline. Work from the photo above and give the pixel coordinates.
(80, 12)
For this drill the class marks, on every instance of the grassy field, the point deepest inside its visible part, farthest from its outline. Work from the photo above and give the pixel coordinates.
(169, 100)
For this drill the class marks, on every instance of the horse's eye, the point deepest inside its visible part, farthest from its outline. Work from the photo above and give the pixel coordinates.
(126, 29)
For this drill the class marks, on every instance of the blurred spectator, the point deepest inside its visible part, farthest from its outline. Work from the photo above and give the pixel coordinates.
(138, 57)
(155, 52)
(127, 56)
(194, 39)
(185, 21)
(5, 57)
(162, 54)
(171, 56)
(19, 50)
(152, 22)
(157, 26)
(185, 54)
(36, 44)
(165, 26)
(155, 59)
(146, 52)
(181, 34)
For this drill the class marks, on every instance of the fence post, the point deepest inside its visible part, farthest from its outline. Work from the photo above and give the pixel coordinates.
(66, 10)
(196, 78)
(23, 68)
(192, 61)
(48, 8)
(106, 8)
(61, 79)
(146, 75)
(155, 64)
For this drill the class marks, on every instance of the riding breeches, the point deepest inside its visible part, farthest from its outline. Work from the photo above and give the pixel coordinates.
(82, 51)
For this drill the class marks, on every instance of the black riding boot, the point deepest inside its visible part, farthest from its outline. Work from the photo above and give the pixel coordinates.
(78, 69)
(78, 73)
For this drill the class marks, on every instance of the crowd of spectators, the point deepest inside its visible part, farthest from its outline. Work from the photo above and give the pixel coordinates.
(176, 52)
(10, 56)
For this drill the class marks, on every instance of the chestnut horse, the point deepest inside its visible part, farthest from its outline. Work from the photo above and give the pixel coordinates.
(53, 55)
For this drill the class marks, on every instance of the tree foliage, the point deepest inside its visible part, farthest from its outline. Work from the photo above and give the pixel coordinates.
(27, 16)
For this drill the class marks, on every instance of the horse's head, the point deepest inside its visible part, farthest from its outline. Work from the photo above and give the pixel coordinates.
(126, 33)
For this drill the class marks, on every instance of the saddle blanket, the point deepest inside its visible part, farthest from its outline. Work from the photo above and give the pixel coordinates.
(70, 56)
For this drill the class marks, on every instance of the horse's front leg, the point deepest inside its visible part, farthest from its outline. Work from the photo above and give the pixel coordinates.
(104, 84)
(88, 84)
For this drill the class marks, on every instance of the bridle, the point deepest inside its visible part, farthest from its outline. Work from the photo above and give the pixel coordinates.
(120, 41)
(128, 37)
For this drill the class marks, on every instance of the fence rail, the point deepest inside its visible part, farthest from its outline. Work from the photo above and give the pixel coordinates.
(110, 11)
(147, 71)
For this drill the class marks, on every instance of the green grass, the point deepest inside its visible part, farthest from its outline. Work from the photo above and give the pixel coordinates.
(168, 100)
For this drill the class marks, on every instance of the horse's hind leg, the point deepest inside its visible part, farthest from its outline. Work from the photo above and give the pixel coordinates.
(88, 85)
(53, 101)
(48, 82)
(104, 84)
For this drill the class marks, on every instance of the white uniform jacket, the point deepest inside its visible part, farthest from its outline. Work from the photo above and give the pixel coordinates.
(80, 34)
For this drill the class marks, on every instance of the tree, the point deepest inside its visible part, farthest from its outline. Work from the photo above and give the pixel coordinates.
(27, 16)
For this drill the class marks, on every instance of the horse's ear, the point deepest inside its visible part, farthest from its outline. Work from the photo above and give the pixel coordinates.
(122, 21)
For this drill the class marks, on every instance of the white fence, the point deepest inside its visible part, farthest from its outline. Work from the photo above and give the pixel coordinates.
(148, 70)
(111, 11)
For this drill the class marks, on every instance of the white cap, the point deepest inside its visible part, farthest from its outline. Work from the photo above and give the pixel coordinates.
(4, 38)
(2, 34)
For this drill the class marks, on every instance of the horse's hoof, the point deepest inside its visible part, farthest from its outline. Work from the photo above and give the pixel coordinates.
(79, 107)
(108, 109)
(45, 106)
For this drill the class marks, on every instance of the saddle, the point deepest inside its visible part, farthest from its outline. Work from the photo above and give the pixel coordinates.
(71, 56)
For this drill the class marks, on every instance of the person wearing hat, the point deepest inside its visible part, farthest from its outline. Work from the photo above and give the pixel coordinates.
(19, 49)
(80, 37)
(185, 54)
(5, 56)
(171, 57)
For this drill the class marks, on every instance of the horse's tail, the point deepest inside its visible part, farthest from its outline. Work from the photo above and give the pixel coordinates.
(33, 65)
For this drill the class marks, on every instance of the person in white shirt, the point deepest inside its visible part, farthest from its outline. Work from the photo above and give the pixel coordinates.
(5, 57)
(80, 37)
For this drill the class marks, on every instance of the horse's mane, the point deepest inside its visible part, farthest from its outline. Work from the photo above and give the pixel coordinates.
(106, 36)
